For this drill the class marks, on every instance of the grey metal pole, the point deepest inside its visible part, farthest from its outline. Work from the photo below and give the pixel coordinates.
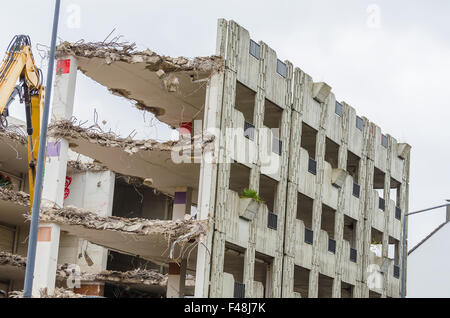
(403, 292)
(31, 255)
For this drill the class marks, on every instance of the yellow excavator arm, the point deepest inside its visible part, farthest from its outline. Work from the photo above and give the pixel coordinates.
(19, 67)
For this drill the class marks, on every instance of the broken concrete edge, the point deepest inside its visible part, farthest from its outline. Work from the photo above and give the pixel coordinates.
(8, 259)
(57, 293)
(124, 52)
(71, 130)
(14, 135)
(132, 277)
(78, 166)
(172, 230)
(18, 197)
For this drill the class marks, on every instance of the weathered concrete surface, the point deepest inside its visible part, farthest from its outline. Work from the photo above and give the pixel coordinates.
(150, 239)
(147, 159)
(57, 293)
(13, 204)
(13, 150)
(171, 88)
(12, 267)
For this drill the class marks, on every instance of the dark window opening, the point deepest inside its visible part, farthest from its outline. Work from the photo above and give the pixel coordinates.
(353, 255)
(328, 220)
(245, 103)
(331, 153)
(378, 185)
(255, 49)
(350, 236)
(308, 140)
(263, 272)
(309, 236)
(239, 177)
(272, 120)
(331, 246)
(268, 188)
(353, 162)
(356, 190)
(384, 141)
(305, 210)
(395, 193)
(359, 123)
(281, 68)
(325, 286)
(339, 109)
(312, 166)
(234, 262)
(346, 290)
(301, 281)
(373, 294)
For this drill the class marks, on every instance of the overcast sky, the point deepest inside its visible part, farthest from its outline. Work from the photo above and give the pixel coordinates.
(388, 59)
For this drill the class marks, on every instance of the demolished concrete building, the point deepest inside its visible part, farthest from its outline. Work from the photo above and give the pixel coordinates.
(331, 188)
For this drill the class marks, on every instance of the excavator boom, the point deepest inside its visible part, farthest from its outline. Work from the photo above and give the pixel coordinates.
(19, 66)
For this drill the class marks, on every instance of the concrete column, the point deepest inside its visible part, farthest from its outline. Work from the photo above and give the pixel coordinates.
(177, 272)
(46, 258)
(55, 177)
(176, 280)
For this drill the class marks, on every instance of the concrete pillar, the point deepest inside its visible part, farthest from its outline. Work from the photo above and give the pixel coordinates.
(177, 272)
(176, 280)
(55, 177)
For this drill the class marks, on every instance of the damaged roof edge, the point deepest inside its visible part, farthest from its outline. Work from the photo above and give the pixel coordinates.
(8, 259)
(13, 134)
(125, 52)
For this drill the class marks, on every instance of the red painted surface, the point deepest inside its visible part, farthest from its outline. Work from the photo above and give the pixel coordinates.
(63, 67)
(66, 189)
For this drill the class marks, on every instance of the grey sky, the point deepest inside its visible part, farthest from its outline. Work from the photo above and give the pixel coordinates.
(396, 74)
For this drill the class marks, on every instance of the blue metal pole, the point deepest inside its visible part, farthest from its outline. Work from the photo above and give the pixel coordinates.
(31, 256)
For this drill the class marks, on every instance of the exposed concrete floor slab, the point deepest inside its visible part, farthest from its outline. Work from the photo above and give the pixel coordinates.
(144, 159)
(153, 240)
(12, 267)
(14, 152)
(171, 88)
(13, 206)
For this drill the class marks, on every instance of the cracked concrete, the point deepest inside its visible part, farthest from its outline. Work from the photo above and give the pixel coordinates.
(145, 159)
(171, 88)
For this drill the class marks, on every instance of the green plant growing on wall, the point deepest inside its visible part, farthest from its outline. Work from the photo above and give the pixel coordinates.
(251, 194)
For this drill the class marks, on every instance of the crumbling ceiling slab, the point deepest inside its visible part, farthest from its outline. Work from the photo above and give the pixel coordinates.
(14, 153)
(153, 240)
(13, 205)
(171, 88)
(144, 159)
(12, 267)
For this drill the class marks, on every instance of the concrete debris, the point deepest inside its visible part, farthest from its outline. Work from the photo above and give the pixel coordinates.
(82, 167)
(17, 197)
(125, 52)
(12, 260)
(13, 134)
(57, 293)
(171, 230)
(138, 276)
(69, 129)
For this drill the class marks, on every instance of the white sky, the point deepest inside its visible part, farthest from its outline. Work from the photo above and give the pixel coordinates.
(394, 72)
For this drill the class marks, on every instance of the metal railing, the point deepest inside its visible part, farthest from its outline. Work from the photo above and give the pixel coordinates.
(277, 146)
(309, 236)
(239, 290)
(353, 255)
(312, 166)
(272, 221)
(249, 131)
(356, 190)
(331, 246)
(396, 271)
(382, 204)
(398, 213)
